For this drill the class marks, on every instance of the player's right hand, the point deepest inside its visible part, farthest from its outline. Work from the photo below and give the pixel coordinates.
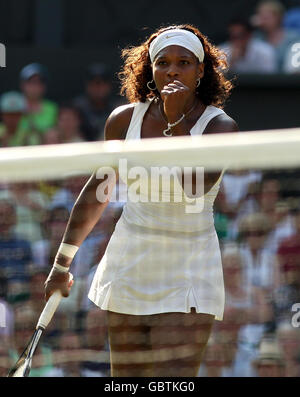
(174, 96)
(58, 281)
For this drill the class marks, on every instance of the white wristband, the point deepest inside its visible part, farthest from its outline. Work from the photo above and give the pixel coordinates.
(60, 268)
(68, 250)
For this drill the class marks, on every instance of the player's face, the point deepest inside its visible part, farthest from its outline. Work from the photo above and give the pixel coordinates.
(176, 63)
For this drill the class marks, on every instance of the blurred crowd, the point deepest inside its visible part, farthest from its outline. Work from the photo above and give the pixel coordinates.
(29, 118)
(33, 217)
(257, 220)
(266, 42)
(258, 223)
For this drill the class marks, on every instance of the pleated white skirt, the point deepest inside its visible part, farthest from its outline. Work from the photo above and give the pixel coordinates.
(146, 271)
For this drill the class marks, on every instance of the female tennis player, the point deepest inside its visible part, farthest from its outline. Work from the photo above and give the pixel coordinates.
(160, 279)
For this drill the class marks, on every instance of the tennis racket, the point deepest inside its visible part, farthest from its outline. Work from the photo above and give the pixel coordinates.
(23, 365)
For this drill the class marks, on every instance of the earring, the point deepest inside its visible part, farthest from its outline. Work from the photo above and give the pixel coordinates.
(198, 82)
(151, 88)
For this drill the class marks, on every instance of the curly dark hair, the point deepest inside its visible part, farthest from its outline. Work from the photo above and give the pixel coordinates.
(215, 88)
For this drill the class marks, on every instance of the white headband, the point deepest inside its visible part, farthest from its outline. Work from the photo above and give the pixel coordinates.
(183, 38)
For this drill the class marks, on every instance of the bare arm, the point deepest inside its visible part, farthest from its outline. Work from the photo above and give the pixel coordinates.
(85, 214)
(220, 124)
(88, 208)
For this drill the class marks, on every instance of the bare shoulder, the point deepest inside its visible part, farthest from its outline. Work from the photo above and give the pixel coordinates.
(118, 122)
(221, 124)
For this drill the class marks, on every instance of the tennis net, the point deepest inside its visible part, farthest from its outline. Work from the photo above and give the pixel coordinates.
(256, 217)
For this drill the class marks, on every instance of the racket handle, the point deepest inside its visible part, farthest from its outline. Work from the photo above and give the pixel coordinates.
(49, 310)
(50, 307)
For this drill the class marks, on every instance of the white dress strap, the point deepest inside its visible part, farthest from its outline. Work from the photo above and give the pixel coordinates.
(209, 113)
(139, 110)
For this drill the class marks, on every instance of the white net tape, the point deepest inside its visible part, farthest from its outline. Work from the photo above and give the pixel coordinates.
(247, 150)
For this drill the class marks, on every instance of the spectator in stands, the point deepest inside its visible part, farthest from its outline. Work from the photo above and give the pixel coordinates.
(246, 54)
(270, 361)
(237, 187)
(51, 137)
(247, 310)
(288, 291)
(269, 22)
(261, 268)
(12, 107)
(289, 250)
(239, 197)
(289, 342)
(96, 103)
(277, 211)
(30, 206)
(269, 197)
(68, 127)
(15, 254)
(41, 113)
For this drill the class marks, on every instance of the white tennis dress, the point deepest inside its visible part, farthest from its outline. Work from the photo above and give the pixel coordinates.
(160, 257)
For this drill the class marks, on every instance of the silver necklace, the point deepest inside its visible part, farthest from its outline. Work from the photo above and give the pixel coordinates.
(171, 125)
